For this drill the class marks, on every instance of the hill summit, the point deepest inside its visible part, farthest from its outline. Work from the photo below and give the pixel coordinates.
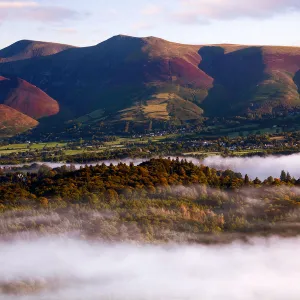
(27, 49)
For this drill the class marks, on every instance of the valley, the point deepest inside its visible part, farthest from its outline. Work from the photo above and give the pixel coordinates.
(149, 150)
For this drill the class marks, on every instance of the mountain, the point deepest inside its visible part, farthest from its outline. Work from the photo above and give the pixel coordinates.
(26, 49)
(137, 80)
(26, 98)
(115, 75)
(13, 121)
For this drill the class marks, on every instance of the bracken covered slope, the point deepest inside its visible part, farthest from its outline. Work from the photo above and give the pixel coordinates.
(26, 98)
(13, 121)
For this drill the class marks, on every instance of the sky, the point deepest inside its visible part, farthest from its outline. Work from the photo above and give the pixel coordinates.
(89, 22)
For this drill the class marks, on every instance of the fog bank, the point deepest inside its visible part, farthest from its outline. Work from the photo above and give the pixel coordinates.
(53, 165)
(53, 268)
(256, 166)
(261, 167)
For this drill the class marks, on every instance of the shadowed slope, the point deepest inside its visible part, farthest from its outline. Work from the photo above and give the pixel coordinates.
(236, 74)
(250, 80)
(297, 80)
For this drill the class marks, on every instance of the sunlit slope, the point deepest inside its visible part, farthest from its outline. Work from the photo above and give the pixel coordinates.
(26, 98)
(164, 107)
(13, 121)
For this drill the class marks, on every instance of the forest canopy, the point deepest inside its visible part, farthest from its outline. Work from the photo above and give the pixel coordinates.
(159, 194)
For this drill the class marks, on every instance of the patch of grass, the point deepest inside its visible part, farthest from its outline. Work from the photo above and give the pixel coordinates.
(202, 153)
(15, 148)
(161, 106)
(91, 117)
(156, 111)
(277, 138)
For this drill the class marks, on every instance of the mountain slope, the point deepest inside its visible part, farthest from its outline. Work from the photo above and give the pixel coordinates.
(163, 107)
(121, 76)
(13, 121)
(26, 98)
(115, 74)
(250, 79)
(26, 49)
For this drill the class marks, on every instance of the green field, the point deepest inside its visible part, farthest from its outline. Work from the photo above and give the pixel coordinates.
(15, 148)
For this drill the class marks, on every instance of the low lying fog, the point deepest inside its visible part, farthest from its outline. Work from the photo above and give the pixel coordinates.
(53, 165)
(53, 268)
(261, 167)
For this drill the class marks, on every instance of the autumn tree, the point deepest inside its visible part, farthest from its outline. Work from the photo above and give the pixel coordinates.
(246, 179)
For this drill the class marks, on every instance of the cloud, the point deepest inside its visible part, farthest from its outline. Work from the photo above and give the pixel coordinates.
(188, 19)
(71, 269)
(113, 11)
(195, 11)
(296, 43)
(17, 4)
(141, 26)
(35, 12)
(50, 14)
(66, 30)
(151, 10)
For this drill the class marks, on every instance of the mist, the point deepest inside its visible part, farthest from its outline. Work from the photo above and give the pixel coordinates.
(70, 269)
(77, 165)
(261, 167)
(77, 253)
(256, 166)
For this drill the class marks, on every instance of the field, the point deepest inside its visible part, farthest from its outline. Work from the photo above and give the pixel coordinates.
(161, 143)
(161, 107)
(156, 110)
(118, 144)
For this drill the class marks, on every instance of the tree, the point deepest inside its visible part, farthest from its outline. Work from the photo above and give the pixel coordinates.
(182, 171)
(246, 179)
(256, 181)
(44, 170)
(94, 200)
(112, 195)
(43, 202)
(270, 179)
(288, 177)
(283, 176)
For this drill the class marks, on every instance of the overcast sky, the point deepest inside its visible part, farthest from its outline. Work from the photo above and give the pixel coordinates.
(88, 22)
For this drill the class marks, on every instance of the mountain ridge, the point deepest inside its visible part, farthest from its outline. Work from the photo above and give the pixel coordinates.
(130, 73)
(27, 49)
